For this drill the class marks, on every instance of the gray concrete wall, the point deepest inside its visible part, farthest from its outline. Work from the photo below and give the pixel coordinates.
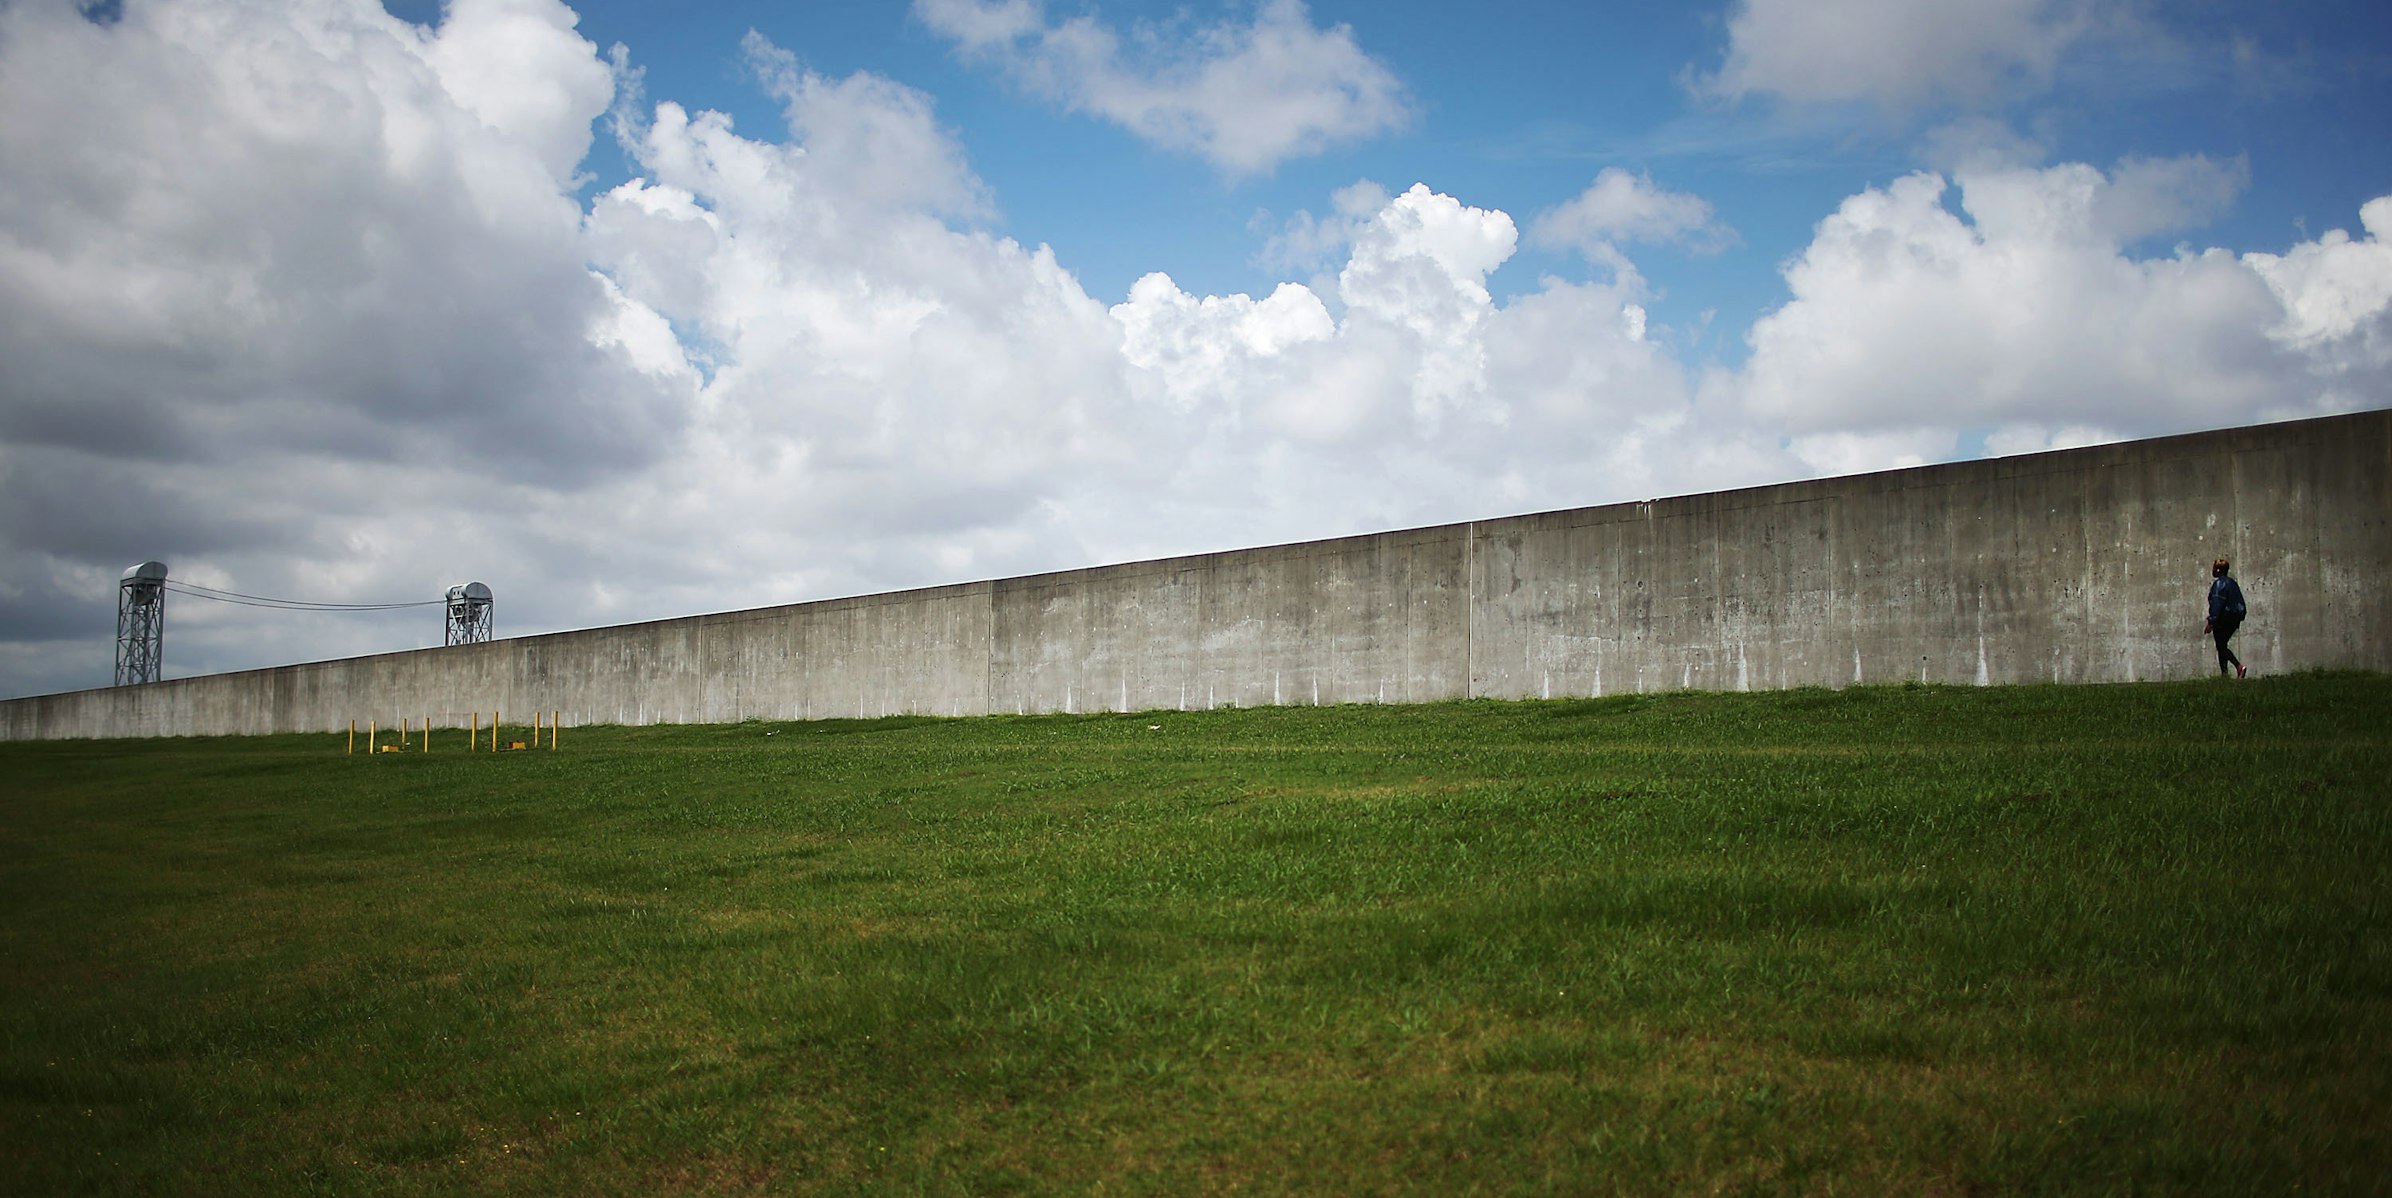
(2085, 565)
(2077, 566)
(1357, 620)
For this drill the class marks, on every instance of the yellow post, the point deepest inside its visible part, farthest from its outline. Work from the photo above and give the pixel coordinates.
(402, 732)
(476, 734)
(427, 734)
(371, 735)
(552, 718)
(352, 738)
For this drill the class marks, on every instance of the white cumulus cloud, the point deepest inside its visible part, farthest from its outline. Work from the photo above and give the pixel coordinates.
(1415, 396)
(1243, 96)
(294, 212)
(2336, 289)
(2023, 311)
(514, 65)
(1621, 207)
(889, 394)
(295, 296)
(1898, 52)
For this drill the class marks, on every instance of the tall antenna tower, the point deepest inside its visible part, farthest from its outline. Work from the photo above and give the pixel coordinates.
(469, 615)
(140, 623)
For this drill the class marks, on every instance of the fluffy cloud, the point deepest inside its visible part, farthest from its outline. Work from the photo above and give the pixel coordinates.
(1897, 52)
(1620, 207)
(896, 401)
(889, 396)
(267, 242)
(512, 65)
(2153, 197)
(1244, 97)
(1317, 245)
(285, 288)
(1410, 349)
(2023, 312)
(2336, 290)
(1411, 395)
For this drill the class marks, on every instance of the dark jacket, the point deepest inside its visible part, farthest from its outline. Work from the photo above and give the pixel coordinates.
(2225, 602)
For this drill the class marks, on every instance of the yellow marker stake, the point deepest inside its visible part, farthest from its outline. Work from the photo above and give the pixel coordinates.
(552, 718)
(427, 734)
(476, 734)
(371, 733)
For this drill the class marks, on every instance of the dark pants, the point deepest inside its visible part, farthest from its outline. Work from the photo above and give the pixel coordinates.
(2223, 630)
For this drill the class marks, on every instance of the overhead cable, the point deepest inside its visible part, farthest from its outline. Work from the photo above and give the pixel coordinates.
(197, 591)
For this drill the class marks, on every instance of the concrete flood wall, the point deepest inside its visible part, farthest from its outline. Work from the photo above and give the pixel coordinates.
(2083, 565)
(2079, 566)
(1361, 619)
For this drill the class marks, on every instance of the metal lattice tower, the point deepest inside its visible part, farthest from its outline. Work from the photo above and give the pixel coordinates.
(140, 623)
(469, 615)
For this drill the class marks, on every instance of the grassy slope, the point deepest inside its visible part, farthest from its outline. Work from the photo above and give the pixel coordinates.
(1882, 939)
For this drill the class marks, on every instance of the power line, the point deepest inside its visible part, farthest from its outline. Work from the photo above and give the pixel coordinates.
(197, 591)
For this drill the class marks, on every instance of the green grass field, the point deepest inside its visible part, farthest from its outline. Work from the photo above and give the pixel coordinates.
(2131, 939)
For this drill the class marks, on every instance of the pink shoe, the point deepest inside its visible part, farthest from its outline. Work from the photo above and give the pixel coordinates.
(2238, 669)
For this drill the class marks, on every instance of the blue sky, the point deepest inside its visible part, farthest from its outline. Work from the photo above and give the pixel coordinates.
(1516, 106)
(636, 309)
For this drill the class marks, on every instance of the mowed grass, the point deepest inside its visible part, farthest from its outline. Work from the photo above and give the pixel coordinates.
(1883, 940)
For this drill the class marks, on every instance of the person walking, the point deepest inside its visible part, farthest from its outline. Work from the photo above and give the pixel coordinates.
(2226, 612)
